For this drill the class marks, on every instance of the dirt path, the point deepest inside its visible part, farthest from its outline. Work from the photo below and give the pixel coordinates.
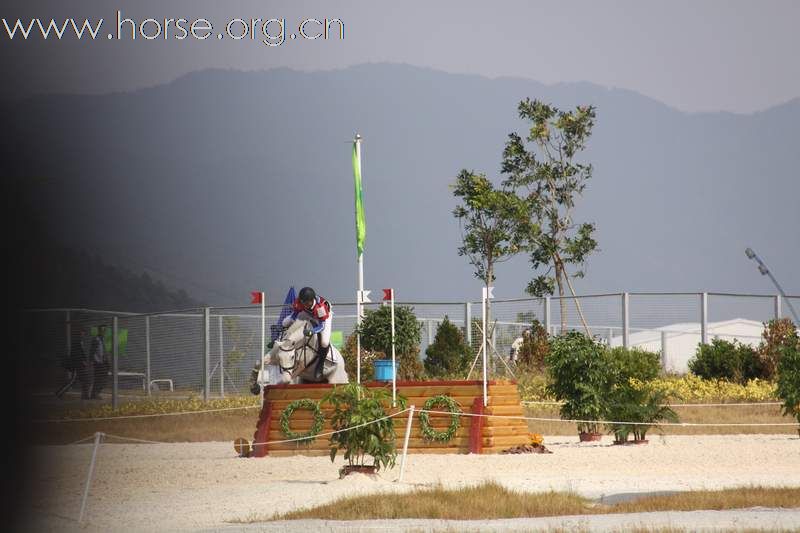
(201, 486)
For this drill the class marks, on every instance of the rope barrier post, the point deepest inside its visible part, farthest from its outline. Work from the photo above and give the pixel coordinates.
(97, 438)
(405, 444)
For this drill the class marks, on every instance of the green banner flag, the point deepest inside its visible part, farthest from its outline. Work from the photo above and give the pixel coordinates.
(361, 224)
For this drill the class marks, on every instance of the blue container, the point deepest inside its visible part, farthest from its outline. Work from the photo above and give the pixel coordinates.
(383, 370)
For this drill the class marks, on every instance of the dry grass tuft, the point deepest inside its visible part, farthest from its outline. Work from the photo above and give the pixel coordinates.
(486, 501)
(714, 500)
(491, 501)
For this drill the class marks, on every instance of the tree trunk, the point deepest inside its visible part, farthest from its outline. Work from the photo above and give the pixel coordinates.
(577, 302)
(561, 300)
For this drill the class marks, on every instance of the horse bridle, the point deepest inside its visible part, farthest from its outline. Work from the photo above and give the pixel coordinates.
(292, 369)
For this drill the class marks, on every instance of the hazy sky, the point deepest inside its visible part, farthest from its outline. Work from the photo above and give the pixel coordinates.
(693, 55)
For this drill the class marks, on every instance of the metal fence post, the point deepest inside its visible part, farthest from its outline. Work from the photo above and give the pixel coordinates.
(206, 354)
(704, 318)
(625, 320)
(115, 362)
(468, 322)
(547, 314)
(68, 324)
(221, 360)
(778, 311)
(147, 352)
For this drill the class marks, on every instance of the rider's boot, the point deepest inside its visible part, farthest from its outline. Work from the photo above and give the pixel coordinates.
(322, 354)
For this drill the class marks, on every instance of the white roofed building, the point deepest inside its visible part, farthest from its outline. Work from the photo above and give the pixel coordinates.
(677, 343)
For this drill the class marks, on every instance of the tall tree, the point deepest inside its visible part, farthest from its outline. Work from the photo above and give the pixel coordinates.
(551, 179)
(492, 222)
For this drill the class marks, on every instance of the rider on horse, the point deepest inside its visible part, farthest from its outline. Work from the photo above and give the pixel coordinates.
(319, 309)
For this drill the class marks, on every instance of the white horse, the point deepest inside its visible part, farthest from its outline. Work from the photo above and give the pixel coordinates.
(295, 352)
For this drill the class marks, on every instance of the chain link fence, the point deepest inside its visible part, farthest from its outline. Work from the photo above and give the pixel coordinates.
(210, 352)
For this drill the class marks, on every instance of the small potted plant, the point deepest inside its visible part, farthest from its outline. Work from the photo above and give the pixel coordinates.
(643, 407)
(354, 406)
(579, 377)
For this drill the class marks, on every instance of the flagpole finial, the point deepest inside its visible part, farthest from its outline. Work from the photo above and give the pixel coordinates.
(358, 136)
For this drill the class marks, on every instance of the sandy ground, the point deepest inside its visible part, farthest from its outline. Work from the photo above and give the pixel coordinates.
(204, 486)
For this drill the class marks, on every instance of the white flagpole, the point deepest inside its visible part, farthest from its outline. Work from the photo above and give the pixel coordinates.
(263, 340)
(359, 303)
(483, 319)
(394, 364)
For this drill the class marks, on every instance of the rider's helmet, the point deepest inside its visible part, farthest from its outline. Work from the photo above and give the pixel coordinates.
(307, 297)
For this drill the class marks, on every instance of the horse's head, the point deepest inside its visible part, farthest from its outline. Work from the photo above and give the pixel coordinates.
(293, 339)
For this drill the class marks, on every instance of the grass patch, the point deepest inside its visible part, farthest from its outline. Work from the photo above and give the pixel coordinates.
(493, 501)
(485, 501)
(714, 500)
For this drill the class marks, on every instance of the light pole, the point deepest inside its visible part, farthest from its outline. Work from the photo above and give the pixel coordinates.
(765, 272)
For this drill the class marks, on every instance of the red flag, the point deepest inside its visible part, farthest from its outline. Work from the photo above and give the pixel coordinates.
(256, 297)
(387, 294)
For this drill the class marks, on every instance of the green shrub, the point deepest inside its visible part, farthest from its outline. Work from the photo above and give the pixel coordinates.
(789, 375)
(448, 354)
(777, 333)
(633, 363)
(629, 402)
(534, 348)
(630, 399)
(727, 360)
(376, 335)
(376, 329)
(580, 377)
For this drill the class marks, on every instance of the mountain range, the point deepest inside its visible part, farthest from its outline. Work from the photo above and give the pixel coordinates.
(222, 182)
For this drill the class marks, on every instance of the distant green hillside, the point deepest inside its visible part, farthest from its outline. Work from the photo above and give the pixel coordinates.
(63, 277)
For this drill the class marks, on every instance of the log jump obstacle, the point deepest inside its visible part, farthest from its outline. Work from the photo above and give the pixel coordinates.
(474, 435)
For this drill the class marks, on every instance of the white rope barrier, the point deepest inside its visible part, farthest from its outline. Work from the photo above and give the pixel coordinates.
(296, 439)
(532, 402)
(575, 420)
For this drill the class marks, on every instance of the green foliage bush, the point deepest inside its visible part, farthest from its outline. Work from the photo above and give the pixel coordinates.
(630, 399)
(777, 334)
(448, 354)
(534, 348)
(645, 405)
(633, 363)
(727, 360)
(579, 374)
(376, 329)
(376, 335)
(789, 375)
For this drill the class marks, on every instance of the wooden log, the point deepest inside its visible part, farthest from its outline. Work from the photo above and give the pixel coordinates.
(479, 434)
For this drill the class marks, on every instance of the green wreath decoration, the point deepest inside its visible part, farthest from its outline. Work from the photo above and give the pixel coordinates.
(316, 427)
(455, 421)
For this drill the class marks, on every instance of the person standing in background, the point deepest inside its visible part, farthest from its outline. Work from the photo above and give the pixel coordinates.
(99, 360)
